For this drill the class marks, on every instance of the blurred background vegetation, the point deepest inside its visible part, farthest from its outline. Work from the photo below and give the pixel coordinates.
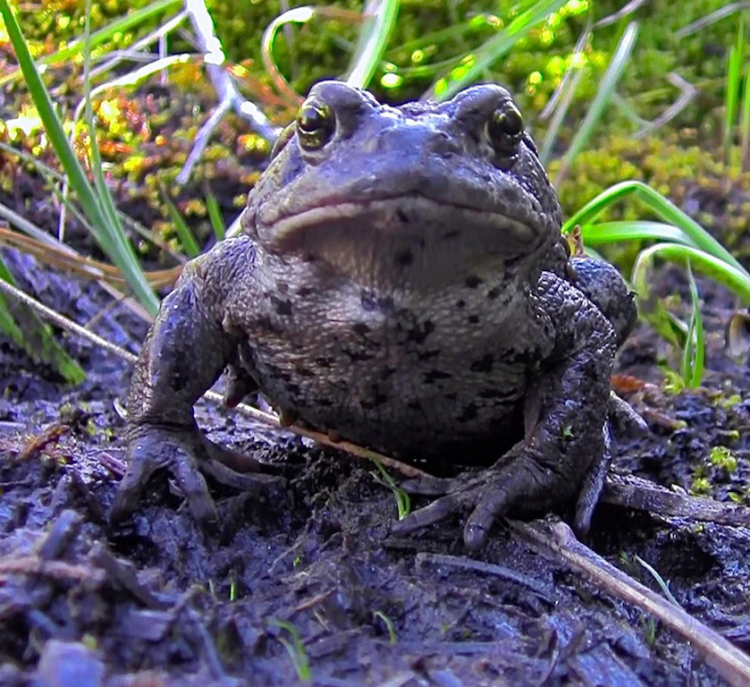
(612, 91)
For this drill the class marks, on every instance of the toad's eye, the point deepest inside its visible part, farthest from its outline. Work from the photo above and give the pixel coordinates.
(315, 125)
(505, 127)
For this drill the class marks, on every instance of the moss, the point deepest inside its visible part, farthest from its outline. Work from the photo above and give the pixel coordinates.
(721, 457)
(145, 138)
(674, 165)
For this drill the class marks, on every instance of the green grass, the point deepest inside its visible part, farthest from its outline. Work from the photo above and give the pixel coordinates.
(214, 214)
(731, 95)
(372, 41)
(602, 100)
(115, 27)
(659, 580)
(403, 502)
(295, 649)
(185, 234)
(745, 126)
(95, 198)
(472, 66)
(694, 351)
(680, 240)
(22, 326)
(392, 639)
(674, 235)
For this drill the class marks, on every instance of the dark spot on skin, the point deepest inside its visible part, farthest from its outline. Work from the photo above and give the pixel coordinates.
(282, 307)
(419, 334)
(379, 400)
(385, 304)
(483, 365)
(492, 294)
(404, 258)
(323, 362)
(360, 328)
(472, 319)
(434, 375)
(304, 291)
(304, 372)
(451, 234)
(264, 323)
(402, 216)
(309, 257)
(469, 413)
(472, 281)
(323, 402)
(282, 287)
(369, 302)
(179, 381)
(293, 389)
(358, 356)
(461, 303)
(491, 393)
(427, 355)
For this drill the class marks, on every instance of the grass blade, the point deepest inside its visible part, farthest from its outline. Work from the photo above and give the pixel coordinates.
(187, 238)
(604, 93)
(613, 232)
(745, 126)
(694, 355)
(380, 18)
(122, 252)
(474, 64)
(662, 208)
(295, 649)
(110, 236)
(214, 214)
(737, 281)
(731, 95)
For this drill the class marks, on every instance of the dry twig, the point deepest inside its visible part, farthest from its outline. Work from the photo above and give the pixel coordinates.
(558, 539)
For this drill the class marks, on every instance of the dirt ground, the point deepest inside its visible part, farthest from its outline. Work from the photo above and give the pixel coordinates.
(158, 603)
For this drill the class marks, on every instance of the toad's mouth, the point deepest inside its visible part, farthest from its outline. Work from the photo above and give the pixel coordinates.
(412, 218)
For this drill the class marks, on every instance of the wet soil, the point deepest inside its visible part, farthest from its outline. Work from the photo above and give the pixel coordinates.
(160, 603)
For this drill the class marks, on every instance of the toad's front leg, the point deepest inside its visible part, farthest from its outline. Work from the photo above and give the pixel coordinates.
(565, 451)
(185, 352)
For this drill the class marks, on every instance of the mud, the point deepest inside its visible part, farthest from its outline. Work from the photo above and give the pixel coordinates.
(160, 603)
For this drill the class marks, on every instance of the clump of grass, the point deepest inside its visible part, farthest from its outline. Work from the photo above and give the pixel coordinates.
(95, 198)
(681, 240)
(22, 326)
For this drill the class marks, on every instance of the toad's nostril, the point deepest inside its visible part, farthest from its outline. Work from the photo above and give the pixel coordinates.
(442, 144)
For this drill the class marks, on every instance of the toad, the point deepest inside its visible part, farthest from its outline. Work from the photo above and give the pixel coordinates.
(400, 280)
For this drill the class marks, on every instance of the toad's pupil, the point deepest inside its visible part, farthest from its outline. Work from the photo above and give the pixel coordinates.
(311, 120)
(511, 122)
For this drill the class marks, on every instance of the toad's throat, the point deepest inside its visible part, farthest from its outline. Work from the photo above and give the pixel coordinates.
(411, 218)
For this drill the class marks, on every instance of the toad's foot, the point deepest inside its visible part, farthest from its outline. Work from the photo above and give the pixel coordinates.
(518, 483)
(184, 452)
